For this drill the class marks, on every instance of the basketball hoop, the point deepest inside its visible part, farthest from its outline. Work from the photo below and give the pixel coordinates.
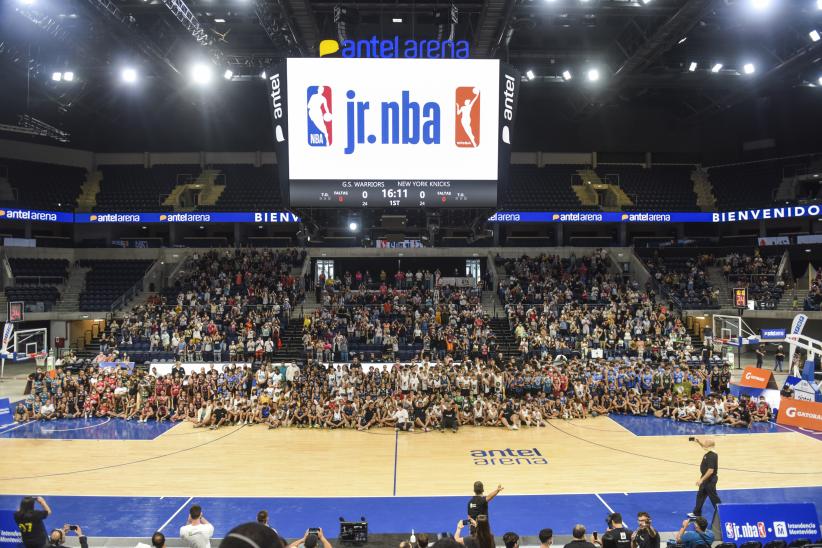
(39, 358)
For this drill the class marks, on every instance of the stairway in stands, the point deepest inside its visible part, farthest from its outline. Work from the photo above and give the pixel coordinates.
(292, 338)
(505, 337)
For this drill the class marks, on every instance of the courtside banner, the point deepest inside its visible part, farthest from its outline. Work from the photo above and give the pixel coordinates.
(203, 217)
(766, 522)
(9, 531)
(13, 214)
(5, 412)
(803, 414)
(753, 377)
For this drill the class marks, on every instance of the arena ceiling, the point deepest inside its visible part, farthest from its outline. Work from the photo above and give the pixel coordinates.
(642, 51)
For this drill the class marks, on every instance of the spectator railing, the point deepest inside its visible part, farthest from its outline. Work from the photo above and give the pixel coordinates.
(40, 280)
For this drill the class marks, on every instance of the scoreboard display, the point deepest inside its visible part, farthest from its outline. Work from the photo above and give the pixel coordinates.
(391, 132)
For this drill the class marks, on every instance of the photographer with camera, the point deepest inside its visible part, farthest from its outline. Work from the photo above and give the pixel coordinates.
(481, 536)
(58, 536)
(617, 535)
(645, 535)
(197, 531)
(701, 535)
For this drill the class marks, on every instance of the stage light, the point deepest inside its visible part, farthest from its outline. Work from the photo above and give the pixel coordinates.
(128, 75)
(820, 80)
(263, 75)
(228, 74)
(593, 75)
(396, 19)
(682, 40)
(529, 74)
(692, 66)
(57, 76)
(749, 68)
(819, 4)
(219, 20)
(760, 5)
(201, 74)
(566, 75)
(814, 34)
(68, 76)
(352, 226)
(27, 2)
(646, 1)
(716, 68)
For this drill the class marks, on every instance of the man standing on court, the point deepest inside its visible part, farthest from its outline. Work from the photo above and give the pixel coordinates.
(617, 536)
(479, 502)
(197, 531)
(709, 468)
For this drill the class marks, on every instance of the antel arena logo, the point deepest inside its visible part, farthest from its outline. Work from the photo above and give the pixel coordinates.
(396, 49)
(508, 94)
(277, 106)
(507, 457)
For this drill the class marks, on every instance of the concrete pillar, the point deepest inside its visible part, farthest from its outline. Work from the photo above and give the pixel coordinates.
(558, 233)
(623, 234)
(237, 235)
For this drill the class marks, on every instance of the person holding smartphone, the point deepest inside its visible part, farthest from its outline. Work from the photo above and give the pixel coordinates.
(311, 538)
(645, 535)
(58, 536)
(30, 521)
(481, 536)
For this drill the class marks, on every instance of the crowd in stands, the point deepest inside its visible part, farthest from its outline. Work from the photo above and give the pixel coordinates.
(813, 301)
(684, 280)
(590, 344)
(229, 305)
(758, 274)
(412, 317)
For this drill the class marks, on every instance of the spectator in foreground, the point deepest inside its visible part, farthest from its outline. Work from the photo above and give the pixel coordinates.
(311, 539)
(252, 535)
(30, 521)
(546, 537)
(645, 535)
(58, 536)
(158, 540)
(579, 538)
(511, 540)
(700, 535)
(422, 540)
(482, 536)
(197, 531)
(617, 536)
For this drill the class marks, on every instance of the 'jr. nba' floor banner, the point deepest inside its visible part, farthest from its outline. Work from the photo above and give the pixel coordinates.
(766, 522)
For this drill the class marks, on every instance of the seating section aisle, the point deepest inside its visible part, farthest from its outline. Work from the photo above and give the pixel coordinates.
(249, 188)
(43, 186)
(108, 280)
(683, 279)
(134, 188)
(661, 188)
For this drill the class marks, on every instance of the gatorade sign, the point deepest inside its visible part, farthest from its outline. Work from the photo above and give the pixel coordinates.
(802, 414)
(754, 377)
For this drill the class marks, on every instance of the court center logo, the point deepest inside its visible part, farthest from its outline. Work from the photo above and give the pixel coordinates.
(507, 457)
(467, 128)
(320, 117)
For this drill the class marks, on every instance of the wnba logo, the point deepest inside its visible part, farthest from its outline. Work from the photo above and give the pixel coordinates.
(320, 122)
(467, 128)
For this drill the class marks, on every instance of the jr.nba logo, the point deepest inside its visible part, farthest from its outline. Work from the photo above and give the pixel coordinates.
(467, 127)
(319, 116)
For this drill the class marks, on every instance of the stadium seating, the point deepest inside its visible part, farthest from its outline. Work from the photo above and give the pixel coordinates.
(30, 271)
(133, 188)
(48, 295)
(108, 280)
(745, 186)
(660, 188)
(44, 186)
(549, 187)
(249, 188)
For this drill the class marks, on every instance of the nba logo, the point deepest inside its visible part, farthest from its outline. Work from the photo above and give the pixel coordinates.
(762, 532)
(319, 116)
(467, 126)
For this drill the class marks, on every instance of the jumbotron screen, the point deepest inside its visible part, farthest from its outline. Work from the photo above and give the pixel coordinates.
(392, 132)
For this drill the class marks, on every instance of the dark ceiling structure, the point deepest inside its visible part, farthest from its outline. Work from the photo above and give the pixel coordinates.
(691, 59)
